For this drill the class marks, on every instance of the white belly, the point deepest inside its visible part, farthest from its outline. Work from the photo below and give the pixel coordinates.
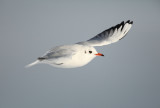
(70, 62)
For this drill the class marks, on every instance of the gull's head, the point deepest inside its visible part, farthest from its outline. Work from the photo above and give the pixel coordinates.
(84, 54)
(91, 51)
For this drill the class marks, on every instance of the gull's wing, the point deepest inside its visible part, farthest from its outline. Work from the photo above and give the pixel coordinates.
(54, 54)
(110, 35)
(58, 52)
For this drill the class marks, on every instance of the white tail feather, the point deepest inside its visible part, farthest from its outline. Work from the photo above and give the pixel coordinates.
(36, 62)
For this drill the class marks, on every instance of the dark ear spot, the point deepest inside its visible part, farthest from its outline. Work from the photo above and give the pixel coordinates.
(85, 52)
(90, 52)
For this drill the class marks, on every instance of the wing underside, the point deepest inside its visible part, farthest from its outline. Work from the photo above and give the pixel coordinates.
(110, 35)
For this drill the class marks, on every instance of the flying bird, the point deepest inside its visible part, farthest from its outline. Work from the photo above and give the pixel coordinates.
(81, 53)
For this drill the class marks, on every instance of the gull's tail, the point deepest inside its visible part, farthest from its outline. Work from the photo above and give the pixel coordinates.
(29, 65)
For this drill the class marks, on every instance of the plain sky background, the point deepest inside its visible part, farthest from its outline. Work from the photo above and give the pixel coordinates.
(127, 77)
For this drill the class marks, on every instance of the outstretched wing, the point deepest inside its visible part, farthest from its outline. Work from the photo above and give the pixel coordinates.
(110, 35)
(57, 52)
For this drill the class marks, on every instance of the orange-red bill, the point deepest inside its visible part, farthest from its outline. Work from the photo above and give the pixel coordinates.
(99, 54)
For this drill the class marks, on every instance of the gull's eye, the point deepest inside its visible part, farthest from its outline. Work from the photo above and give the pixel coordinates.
(90, 52)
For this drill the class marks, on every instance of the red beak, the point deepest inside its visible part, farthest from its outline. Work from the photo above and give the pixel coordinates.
(99, 54)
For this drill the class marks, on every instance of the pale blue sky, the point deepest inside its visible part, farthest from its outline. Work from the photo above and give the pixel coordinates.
(127, 77)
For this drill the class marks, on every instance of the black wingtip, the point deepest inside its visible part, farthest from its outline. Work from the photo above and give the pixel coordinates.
(129, 22)
(117, 26)
(122, 22)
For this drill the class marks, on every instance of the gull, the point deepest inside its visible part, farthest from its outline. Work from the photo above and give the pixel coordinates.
(81, 53)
